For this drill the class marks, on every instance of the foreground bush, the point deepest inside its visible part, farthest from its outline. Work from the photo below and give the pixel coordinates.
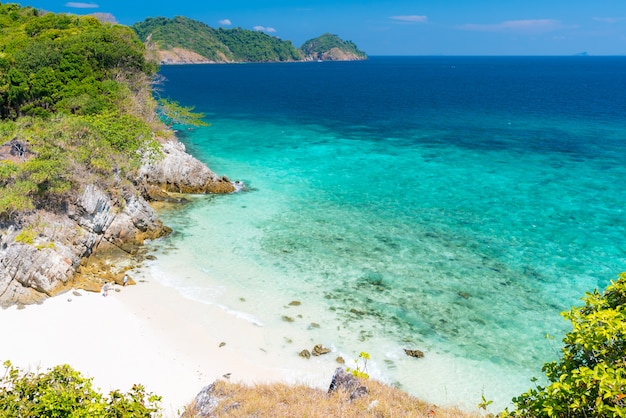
(590, 378)
(64, 392)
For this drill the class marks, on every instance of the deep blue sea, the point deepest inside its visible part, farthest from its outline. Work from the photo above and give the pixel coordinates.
(454, 205)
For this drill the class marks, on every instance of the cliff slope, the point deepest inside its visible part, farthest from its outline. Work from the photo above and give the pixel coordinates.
(81, 153)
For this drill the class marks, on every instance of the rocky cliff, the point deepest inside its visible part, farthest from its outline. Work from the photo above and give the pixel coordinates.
(48, 251)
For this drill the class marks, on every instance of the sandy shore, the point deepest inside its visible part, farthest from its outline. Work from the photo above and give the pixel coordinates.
(148, 334)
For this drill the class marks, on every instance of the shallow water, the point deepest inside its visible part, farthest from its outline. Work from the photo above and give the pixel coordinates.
(453, 205)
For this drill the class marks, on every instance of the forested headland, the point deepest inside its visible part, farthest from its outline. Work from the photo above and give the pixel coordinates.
(169, 36)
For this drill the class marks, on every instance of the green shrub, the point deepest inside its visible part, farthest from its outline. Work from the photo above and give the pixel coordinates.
(64, 392)
(26, 236)
(589, 380)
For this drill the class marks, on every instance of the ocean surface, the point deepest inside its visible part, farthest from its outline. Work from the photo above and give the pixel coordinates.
(454, 205)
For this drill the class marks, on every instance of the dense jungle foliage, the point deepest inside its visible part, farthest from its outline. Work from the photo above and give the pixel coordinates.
(75, 105)
(326, 42)
(255, 46)
(238, 45)
(182, 32)
(219, 45)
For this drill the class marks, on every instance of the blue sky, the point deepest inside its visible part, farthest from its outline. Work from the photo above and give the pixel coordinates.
(403, 27)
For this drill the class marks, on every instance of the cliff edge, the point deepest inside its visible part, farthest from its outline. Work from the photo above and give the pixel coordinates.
(50, 250)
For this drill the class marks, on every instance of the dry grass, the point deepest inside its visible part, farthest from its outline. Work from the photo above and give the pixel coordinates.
(282, 400)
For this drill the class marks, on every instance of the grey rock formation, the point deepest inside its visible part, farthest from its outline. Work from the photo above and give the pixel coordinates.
(346, 382)
(41, 252)
(205, 402)
(343, 380)
(182, 173)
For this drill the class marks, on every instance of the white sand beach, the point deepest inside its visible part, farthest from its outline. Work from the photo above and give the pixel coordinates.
(148, 334)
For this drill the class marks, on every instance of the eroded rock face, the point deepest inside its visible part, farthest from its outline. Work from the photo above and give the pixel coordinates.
(30, 272)
(180, 172)
(45, 253)
(41, 258)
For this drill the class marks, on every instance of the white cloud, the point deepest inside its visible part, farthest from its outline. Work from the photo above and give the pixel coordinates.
(410, 18)
(267, 29)
(225, 22)
(609, 19)
(520, 26)
(78, 5)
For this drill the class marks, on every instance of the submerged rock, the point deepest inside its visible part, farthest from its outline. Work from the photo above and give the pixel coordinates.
(319, 350)
(414, 353)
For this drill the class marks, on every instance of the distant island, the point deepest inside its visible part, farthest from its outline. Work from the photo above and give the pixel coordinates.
(186, 41)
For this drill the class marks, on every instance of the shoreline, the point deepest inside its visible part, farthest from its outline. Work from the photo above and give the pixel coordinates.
(149, 334)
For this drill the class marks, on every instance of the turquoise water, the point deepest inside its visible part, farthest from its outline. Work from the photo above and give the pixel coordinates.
(451, 205)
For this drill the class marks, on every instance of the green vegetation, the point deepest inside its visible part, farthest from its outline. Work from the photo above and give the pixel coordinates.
(589, 380)
(239, 45)
(360, 369)
(182, 32)
(75, 106)
(172, 113)
(215, 45)
(255, 46)
(317, 47)
(26, 236)
(64, 392)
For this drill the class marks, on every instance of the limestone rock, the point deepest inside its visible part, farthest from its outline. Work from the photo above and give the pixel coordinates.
(48, 251)
(343, 380)
(346, 382)
(206, 402)
(182, 173)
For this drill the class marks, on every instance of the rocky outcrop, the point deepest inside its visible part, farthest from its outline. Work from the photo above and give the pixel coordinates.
(179, 172)
(42, 257)
(344, 381)
(181, 56)
(336, 54)
(47, 252)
